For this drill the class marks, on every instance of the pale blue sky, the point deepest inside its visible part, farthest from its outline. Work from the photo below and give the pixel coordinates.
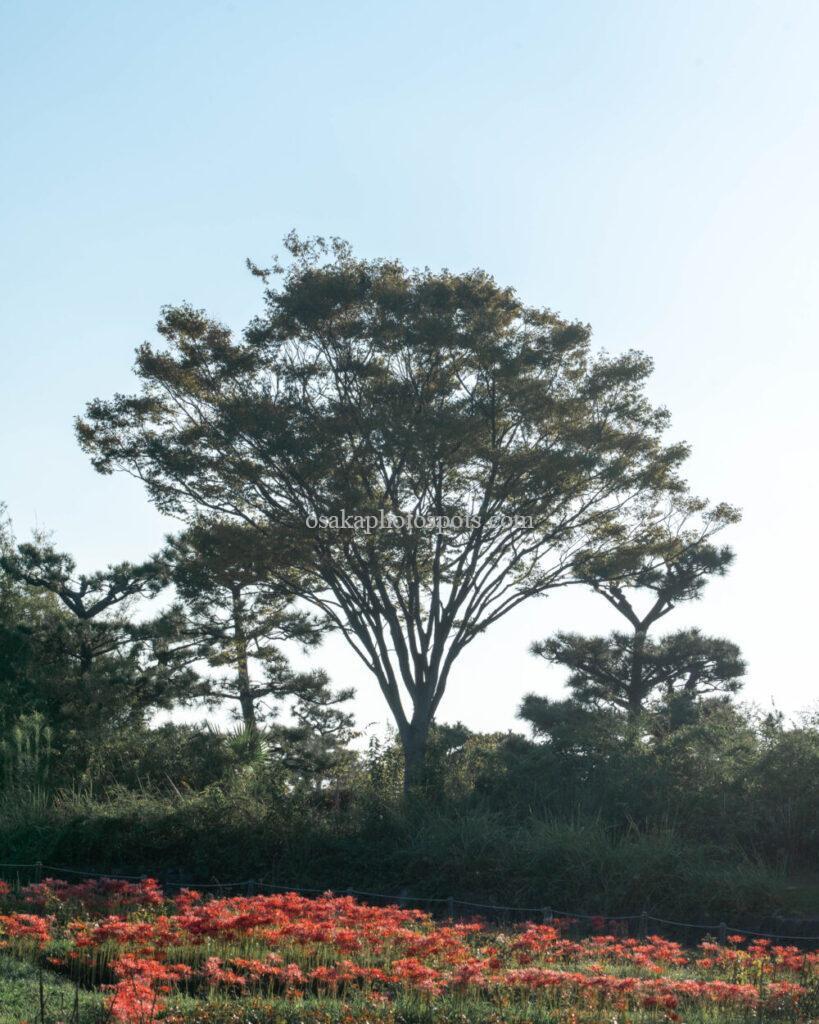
(648, 167)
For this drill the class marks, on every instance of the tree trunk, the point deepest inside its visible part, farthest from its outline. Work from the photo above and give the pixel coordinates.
(243, 685)
(635, 688)
(86, 654)
(414, 740)
(248, 709)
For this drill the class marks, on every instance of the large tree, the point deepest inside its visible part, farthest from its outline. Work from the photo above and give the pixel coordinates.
(496, 445)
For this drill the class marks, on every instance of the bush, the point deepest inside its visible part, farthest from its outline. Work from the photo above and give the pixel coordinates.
(603, 826)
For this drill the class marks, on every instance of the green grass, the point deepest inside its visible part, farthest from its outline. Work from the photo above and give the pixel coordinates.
(20, 1003)
(20, 996)
(445, 1010)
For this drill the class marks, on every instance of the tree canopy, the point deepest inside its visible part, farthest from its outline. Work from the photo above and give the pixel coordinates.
(670, 563)
(498, 451)
(230, 614)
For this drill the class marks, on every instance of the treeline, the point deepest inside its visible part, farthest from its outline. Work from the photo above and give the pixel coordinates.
(684, 801)
(88, 656)
(599, 827)
(86, 659)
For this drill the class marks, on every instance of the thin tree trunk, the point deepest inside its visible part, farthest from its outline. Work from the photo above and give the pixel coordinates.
(86, 653)
(635, 694)
(243, 685)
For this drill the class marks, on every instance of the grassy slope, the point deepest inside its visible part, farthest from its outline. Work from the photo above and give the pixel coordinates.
(20, 996)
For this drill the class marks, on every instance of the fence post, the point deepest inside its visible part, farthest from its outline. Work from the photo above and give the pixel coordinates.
(643, 924)
(251, 887)
(450, 906)
(721, 934)
(547, 915)
(42, 993)
(38, 871)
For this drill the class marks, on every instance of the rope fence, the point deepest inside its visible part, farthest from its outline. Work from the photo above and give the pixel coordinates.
(251, 886)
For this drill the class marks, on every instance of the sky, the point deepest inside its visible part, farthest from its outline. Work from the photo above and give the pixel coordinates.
(648, 168)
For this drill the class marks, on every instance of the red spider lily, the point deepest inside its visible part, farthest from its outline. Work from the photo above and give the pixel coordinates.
(216, 974)
(256, 969)
(779, 990)
(471, 973)
(667, 1002)
(161, 931)
(292, 975)
(99, 895)
(333, 945)
(418, 976)
(26, 926)
(186, 898)
(129, 966)
(133, 1001)
(135, 998)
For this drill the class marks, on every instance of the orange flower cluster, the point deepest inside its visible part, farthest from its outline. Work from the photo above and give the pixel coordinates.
(26, 927)
(293, 947)
(135, 997)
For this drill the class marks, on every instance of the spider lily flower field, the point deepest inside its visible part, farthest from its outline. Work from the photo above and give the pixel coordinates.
(138, 957)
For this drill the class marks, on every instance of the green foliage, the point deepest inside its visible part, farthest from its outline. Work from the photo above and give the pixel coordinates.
(411, 1010)
(72, 654)
(168, 758)
(231, 615)
(670, 562)
(602, 825)
(675, 672)
(75, 660)
(26, 756)
(61, 1000)
(368, 388)
(373, 389)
